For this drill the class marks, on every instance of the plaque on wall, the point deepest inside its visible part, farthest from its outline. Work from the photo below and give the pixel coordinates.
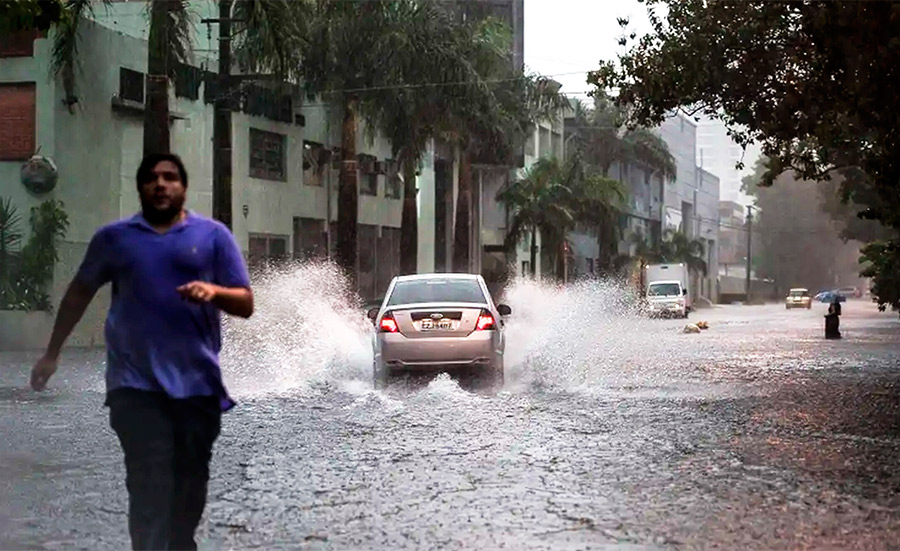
(39, 175)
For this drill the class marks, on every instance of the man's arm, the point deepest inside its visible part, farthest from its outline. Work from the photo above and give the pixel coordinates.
(76, 300)
(93, 273)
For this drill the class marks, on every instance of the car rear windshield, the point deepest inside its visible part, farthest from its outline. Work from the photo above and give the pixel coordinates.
(799, 293)
(436, 290)
(664, 290)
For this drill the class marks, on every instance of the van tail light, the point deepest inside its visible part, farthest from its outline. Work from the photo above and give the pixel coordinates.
(485, 321)
(388, 324)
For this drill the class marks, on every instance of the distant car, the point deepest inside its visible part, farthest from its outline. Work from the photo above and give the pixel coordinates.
(850, 292)
(436, 322)
(829, 296)
(798, 298)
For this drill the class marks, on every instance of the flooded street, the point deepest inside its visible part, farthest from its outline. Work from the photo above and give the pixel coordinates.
(612, 431)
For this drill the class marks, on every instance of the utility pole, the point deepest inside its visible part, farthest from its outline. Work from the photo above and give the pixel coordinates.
(749, 242)
(222, 169)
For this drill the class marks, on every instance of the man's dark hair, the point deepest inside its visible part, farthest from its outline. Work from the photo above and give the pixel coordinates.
(145, 171)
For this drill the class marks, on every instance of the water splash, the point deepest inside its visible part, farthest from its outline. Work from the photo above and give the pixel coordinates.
(587, 334)
(306, 330)
(309, 331)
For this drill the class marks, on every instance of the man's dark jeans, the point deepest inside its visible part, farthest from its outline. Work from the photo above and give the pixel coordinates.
(167, 444)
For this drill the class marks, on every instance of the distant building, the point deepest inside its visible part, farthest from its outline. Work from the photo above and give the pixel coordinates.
(719, 154)
(692, 199)
(732, 237)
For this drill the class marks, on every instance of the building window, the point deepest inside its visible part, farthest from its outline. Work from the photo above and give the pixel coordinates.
(268, 155)
(187, 81)
(368, 184)
(393, 184)
(131, 85)
(265, 248)
(17, 121)
(314, 162)
(310, 239)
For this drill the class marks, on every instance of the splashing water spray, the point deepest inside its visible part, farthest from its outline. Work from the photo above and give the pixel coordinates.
(310, 330)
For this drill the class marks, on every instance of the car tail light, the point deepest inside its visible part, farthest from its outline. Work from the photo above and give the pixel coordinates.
(485, 321)
(388, 324)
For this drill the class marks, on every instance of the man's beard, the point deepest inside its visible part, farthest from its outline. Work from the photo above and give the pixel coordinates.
(161, 216)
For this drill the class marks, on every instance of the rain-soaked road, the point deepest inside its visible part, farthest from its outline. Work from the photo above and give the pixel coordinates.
(612, 432)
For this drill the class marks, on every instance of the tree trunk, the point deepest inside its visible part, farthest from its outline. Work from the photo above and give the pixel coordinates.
(222, 158)
(463, 202)
(348, 195)
(533, 251)
(409, 224)
(156, 111)
(604, 244)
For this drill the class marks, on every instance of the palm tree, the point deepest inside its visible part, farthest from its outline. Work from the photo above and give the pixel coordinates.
(599, 200)
(541, 201)
(676, 246)
(354, 52)
(410, 116)
(490, 131)
(169, 44)
(600, 137)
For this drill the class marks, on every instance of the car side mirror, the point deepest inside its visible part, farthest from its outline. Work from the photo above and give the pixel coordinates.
(684, 292)
(373, 313)
(504, 310)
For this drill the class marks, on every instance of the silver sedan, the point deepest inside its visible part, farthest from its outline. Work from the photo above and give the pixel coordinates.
(439, 322)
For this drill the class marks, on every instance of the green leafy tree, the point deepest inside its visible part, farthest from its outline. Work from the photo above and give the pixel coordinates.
(796, 243)
(676, 246)
(29, 15)
(26, 271)
(790, 75)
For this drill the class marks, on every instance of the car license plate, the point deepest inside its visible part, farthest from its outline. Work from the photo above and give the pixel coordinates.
(429, 324)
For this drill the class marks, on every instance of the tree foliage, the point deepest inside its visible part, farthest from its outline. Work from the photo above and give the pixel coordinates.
(27, 270)
(809, 81)
(599, 138)
(796, 243)
(551, 198)
(30, 15)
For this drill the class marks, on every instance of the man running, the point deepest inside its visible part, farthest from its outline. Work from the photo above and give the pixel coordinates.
(172, 272)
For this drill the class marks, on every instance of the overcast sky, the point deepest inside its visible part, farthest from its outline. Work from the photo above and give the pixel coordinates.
(572, 36)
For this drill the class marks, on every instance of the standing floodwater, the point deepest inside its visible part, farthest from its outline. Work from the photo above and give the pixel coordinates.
(613, 430)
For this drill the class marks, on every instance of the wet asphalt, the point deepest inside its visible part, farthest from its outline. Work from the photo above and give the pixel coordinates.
(612, 432)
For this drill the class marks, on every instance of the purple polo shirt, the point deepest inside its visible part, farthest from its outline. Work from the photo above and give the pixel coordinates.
(156, 340)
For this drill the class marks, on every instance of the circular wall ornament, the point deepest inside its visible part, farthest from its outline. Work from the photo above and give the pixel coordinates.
(39, 174)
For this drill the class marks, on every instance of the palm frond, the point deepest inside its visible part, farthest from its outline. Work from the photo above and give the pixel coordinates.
(271, 36)
(64, 57)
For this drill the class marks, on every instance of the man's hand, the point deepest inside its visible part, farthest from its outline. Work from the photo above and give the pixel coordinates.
(199, 291)
(237, 301)
(42, 371)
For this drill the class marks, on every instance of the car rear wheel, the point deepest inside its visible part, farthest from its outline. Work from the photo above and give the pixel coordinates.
(380, 377)
(489, 377)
